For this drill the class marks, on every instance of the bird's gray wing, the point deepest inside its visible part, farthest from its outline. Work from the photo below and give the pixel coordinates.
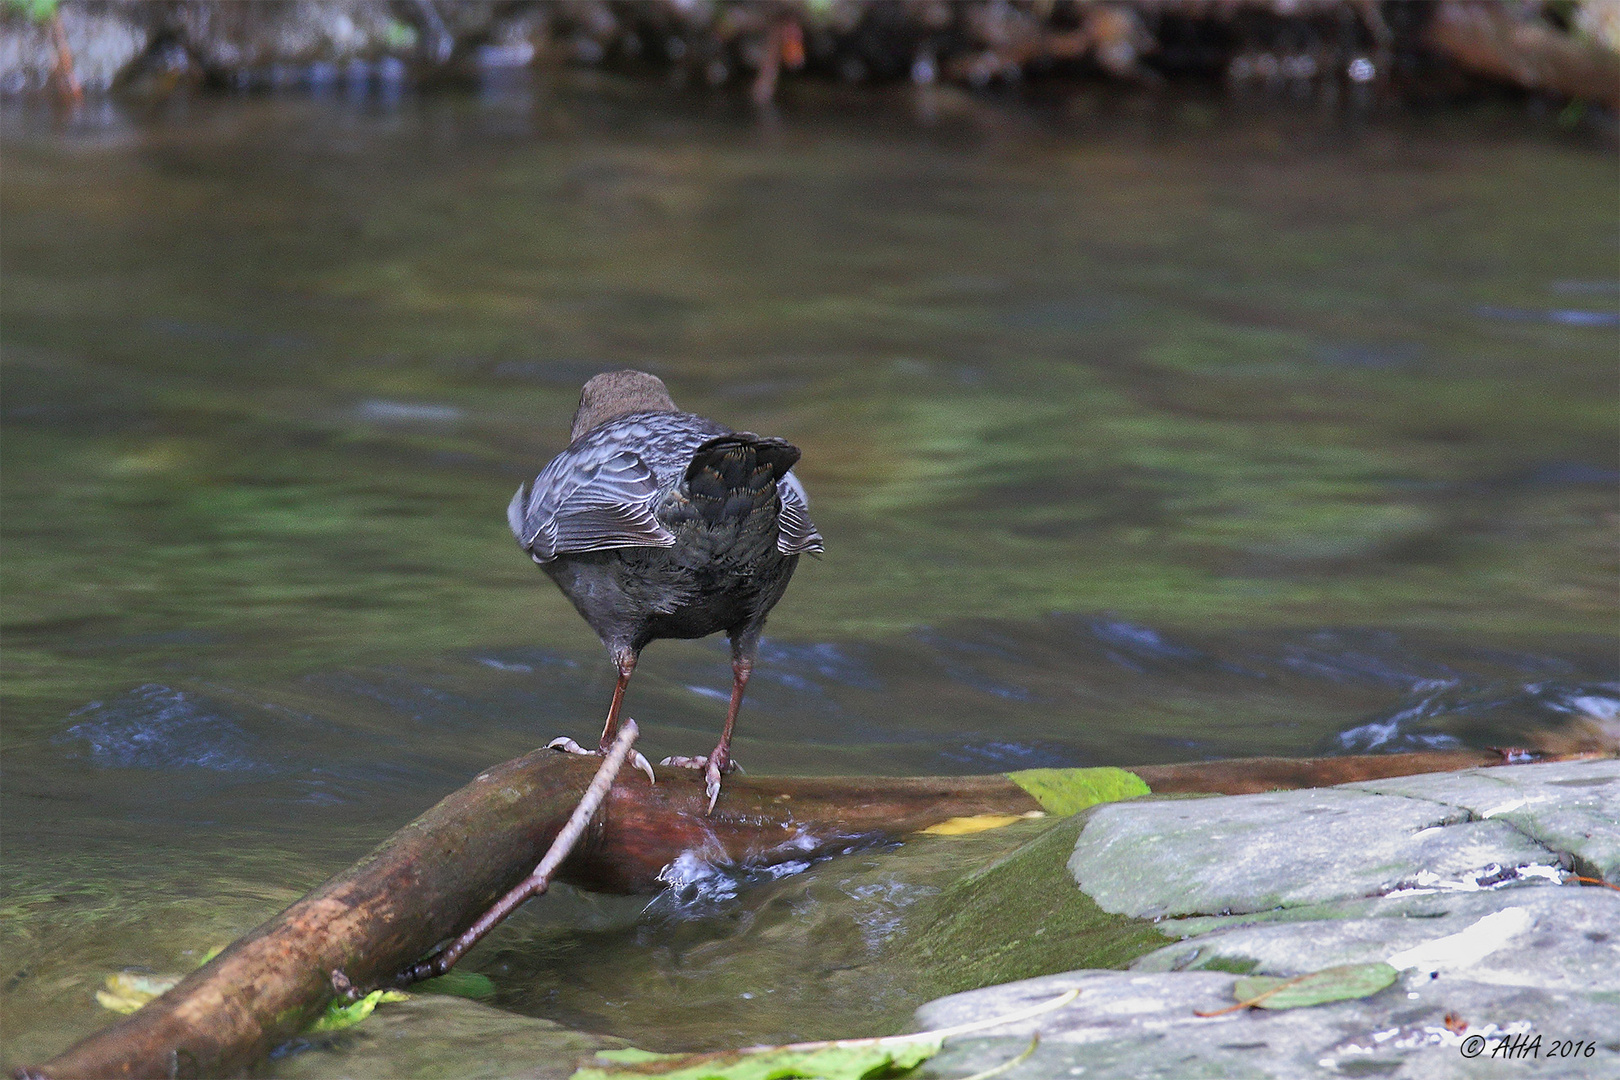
(796, 534)
(588, 501)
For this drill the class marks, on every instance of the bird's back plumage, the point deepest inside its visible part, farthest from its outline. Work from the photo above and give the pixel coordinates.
(617, 485)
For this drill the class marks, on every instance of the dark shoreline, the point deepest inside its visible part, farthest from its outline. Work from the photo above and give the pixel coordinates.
(1333, 55)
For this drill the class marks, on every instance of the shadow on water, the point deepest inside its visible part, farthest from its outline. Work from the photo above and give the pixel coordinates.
(1137, 436)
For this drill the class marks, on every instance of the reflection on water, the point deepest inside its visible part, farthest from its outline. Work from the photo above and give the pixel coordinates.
(1134, 440)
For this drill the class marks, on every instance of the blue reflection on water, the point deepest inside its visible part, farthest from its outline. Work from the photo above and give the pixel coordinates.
(157, 727)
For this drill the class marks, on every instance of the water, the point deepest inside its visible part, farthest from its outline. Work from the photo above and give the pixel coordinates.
(1138, 433)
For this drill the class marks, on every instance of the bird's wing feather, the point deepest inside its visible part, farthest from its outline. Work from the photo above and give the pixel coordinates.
(589, 502)
(796, 533)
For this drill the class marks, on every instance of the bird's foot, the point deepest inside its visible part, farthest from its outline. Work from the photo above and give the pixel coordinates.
(702, 763)
(569, 746)
(714, 766)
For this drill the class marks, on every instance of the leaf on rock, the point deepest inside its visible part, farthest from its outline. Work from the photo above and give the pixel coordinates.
(841, 1059)
(1069, 791)
(1317, 988)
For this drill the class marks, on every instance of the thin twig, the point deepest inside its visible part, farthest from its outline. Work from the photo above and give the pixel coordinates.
(1258, 998)
(1034, 1044)
(538, 881)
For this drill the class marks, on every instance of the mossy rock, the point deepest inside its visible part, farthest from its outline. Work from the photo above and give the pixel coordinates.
(1017, 917)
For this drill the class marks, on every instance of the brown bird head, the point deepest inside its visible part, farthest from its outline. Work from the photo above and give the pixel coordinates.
(619, 393)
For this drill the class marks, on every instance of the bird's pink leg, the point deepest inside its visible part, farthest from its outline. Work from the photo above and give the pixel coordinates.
(719, 762)
(720, 759)
(627, 664)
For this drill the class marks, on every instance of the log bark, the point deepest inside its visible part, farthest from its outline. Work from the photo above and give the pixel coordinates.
(432, 878)
(1247, 776)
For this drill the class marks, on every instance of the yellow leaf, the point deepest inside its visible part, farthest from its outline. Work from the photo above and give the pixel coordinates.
(126, 991)
(961, 826)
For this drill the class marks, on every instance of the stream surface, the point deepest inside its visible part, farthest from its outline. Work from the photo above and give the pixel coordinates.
(1137, 433)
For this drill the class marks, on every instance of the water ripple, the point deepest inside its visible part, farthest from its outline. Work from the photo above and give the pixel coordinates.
(157, 727)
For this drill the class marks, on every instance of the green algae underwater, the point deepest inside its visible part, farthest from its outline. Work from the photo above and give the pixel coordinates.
(1138, 434)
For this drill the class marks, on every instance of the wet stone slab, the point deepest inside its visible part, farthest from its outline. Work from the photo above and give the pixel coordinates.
(1137, 1026)
(1571, 946)
(1453, 878)
(1250, 853)
(1571, 807)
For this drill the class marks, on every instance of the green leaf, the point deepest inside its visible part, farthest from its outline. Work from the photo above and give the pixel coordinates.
(398, 35)
(341, 1014)
(629, 1055)
(867, 1059)
(818, 11)
(37, 10)
(842, 1059)
(1317, 988)
(467, 984)
(1069, 791)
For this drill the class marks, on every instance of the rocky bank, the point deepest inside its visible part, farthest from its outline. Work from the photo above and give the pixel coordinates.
(1464, 881)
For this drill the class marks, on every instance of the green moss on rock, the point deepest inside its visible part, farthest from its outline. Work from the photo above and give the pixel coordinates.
(1018, 917)
(1235, 965)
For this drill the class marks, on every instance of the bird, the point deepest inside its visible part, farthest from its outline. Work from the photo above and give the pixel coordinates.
(657, 523)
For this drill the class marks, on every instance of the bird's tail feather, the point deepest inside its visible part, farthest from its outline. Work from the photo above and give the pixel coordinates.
(732, 475)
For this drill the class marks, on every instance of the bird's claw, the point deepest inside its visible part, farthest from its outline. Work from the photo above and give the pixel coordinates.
(711, 786)
(713, 766)
(639, 760)
(569, 746)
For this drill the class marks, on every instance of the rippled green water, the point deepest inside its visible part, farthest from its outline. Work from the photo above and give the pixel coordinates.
(1136, 434)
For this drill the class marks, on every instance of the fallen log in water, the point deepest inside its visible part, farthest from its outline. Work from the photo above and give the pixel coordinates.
(434, 877)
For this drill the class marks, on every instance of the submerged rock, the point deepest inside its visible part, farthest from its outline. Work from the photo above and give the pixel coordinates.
(1019, 915)
(433, 1035)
